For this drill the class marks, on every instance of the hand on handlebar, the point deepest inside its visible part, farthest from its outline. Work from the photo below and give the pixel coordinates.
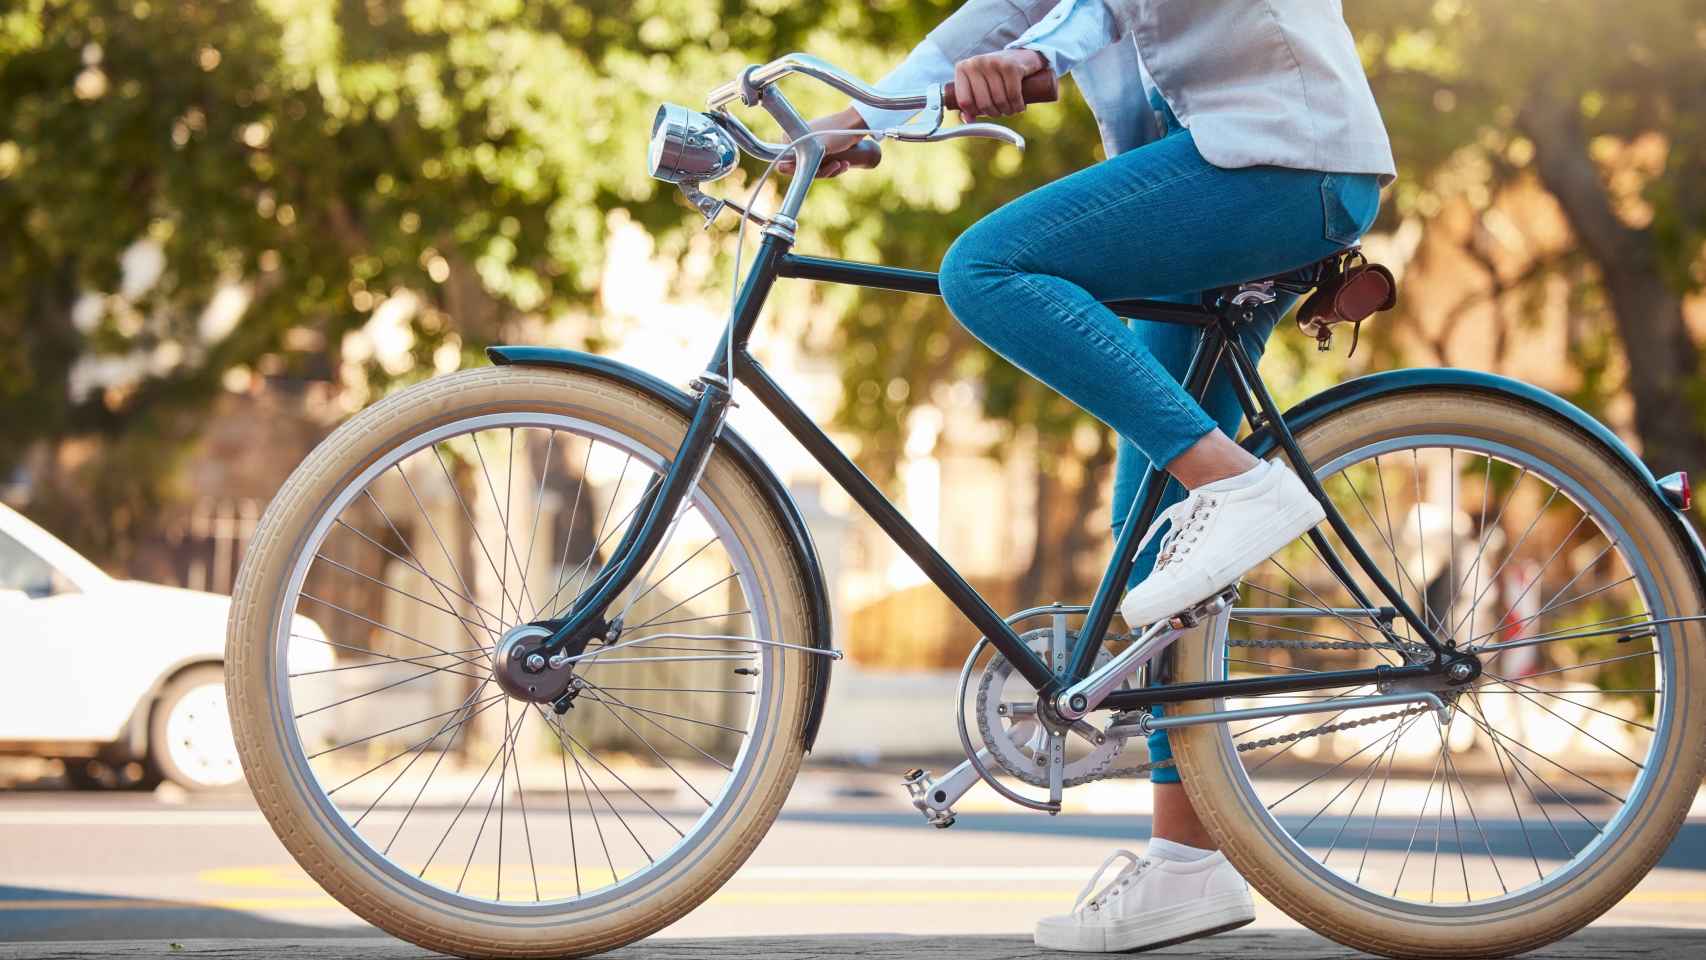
(838, 159)
(990, 84)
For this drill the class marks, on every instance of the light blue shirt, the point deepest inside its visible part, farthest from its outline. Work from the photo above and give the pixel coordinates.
(1070, 34)
(1256, 82)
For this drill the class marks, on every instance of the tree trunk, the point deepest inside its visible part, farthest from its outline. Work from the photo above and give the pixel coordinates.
(1663, 359)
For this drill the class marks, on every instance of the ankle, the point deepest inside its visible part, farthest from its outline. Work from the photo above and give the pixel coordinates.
(1214, 457)
(1161, 848)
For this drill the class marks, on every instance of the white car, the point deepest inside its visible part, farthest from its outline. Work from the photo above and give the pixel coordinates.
(106, 674)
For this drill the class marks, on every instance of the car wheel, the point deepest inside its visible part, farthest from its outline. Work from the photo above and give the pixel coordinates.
(189, 734)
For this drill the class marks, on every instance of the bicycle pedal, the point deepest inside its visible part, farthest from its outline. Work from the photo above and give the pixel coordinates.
(1213, 606)
(928, 798)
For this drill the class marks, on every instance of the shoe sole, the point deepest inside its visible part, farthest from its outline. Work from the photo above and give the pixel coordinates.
(1267, 539)
(1153, 930)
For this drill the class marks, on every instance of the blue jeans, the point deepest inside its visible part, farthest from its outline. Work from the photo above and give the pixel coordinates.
(1028, 281)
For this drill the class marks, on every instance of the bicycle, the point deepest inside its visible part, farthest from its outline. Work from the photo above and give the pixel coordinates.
(679, 674)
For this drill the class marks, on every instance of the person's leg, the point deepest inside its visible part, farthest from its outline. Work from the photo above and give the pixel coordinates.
(1172, 345)
(1028, 279)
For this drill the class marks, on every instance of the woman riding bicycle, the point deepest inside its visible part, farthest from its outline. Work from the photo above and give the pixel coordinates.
(1242, 141)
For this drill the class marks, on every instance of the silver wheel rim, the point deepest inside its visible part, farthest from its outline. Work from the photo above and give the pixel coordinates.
(1548, 873)
(521, 901)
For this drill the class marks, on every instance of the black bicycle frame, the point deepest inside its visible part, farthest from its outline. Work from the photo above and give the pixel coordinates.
(1218, 348)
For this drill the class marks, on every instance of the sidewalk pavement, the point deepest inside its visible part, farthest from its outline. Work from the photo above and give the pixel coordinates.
(1599, 943)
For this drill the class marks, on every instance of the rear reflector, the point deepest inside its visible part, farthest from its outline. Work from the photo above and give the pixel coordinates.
(1677, 490)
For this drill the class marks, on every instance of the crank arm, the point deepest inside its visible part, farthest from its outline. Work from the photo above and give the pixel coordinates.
(1087, 694)
(1025, 711)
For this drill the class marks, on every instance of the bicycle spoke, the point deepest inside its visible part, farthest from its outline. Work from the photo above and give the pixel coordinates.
(417, 754)
(1502, 753)
(1488, 728)
(405, 752)
(388, 686)
(1487, 532)
(568, 534)
(404, 726)
(413, 803)
(1469, 804)
(652, 750)
(570, 743)
(539, 503)
(305, 595)
(380, 659)
(497, 789)
(404, 593)
(508, 550)
(413, 562)
(1524, 690)
(474, 529)
(432, 528)
(1415, 830)
(662, 713)
(1367, 777)
(645, 715)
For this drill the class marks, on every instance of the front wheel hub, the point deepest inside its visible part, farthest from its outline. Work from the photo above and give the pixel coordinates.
(523, 672)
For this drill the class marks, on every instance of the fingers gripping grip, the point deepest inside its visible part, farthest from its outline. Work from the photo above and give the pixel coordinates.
(1039, 87)
(865, 153)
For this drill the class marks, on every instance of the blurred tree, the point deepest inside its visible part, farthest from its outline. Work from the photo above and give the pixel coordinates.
(208, 189)
(1482, 97)
(211, 189)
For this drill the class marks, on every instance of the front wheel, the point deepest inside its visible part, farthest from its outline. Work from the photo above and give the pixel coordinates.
(558, 813)
(1559, 777)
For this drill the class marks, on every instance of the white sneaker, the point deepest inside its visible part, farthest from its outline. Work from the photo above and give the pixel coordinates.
(1216, 536)
(1151, 903)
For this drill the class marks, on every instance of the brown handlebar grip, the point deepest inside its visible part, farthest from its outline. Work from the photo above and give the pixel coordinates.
(1039, 87)
(865, 153)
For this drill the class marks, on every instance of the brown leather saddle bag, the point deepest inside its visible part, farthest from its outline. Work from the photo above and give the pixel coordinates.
(1351, 293)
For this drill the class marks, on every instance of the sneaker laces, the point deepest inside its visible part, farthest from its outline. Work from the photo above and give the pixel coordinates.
(1185, 522)
(1133, 868)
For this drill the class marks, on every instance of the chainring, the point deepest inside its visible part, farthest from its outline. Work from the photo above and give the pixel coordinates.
(1018, 740)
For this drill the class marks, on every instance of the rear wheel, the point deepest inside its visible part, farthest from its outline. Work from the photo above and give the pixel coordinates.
(1561, 774)
(459, 809)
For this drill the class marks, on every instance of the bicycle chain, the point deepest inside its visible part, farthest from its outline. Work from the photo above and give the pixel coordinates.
(1275, 741)
(1399, 645)
(1264, 743)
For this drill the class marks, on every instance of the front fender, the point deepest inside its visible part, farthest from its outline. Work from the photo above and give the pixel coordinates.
(805, 549)
(1377, 385)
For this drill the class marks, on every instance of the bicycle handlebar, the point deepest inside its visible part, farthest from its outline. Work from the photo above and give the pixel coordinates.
(1039, 87)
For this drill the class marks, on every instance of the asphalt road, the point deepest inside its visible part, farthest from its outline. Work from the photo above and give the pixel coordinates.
(847, 865)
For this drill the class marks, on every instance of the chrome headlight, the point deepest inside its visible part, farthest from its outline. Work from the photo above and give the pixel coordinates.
(689, 147)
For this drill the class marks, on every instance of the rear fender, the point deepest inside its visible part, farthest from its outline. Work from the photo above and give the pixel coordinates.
(1392, 382)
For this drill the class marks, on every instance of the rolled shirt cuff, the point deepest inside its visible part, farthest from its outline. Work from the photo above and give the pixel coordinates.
(925, 65)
